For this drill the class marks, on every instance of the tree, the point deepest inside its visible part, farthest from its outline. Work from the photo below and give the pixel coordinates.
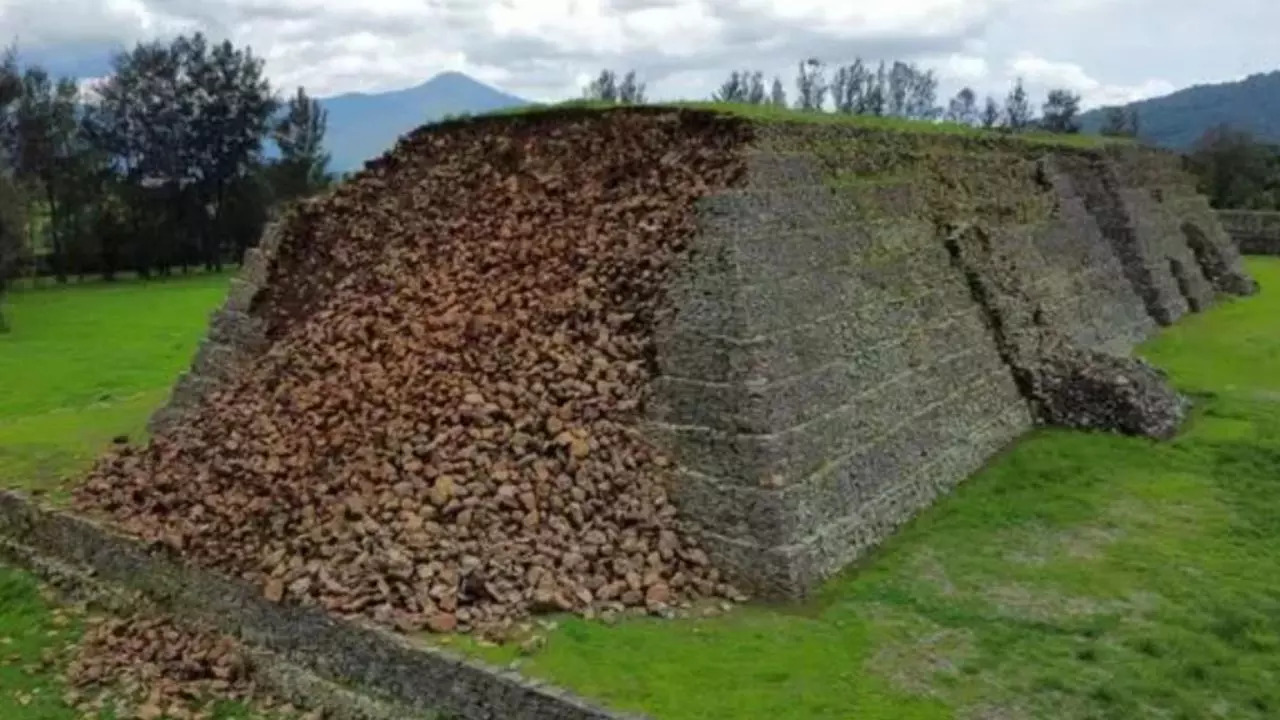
(229, 127)
(735, 88)
(1235, 170)
(742, 87)
(10, 91)
(1114, 122)
(922, 94)
(1132, 117)
(181, 122)
(13, 227)
(604, 88)
(991, 113)
(963, 108)
(777, 94)
(848, 89)
(1119, 122)
(299, 133)
(631, 90)
(875, 92)
(607, 88)
(755, 91)
(1060, 112)
(811, 85)
(48, 154)
(1017, 108)
(12, 221)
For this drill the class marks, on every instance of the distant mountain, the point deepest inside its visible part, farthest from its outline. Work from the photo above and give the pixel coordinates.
(1177, 120)
(363, 126)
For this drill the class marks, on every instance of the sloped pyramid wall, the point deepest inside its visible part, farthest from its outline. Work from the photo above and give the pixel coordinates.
(874, 311)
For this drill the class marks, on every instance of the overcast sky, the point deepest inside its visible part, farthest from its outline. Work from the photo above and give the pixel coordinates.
(1108, 50)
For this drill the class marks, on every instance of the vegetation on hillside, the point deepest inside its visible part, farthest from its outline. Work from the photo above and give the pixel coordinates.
(1236, 169)
(1178, 120)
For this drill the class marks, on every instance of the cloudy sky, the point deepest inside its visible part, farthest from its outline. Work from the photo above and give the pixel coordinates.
(1108, 50)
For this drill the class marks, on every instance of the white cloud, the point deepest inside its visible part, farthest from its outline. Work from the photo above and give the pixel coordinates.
(538, 46)
(960, 68)
(1041, 74)
(542, 49)
(88, 87)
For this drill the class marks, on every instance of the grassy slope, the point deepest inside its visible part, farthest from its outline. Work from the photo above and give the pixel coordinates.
(771, 114)
(1078, 576)
(85, 364)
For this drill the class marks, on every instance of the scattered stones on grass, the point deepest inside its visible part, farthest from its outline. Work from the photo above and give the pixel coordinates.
(149, 667)
(442, 432)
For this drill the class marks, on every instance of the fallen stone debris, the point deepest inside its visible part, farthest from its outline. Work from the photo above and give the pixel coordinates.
(442, 433)
(149, 667)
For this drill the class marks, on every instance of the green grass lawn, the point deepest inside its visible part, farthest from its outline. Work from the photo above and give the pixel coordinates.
(86, 363)
(81, 365)
(1078, 576)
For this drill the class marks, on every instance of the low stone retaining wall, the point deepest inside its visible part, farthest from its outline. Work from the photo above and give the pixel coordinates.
(1254, 232)
(386, 667)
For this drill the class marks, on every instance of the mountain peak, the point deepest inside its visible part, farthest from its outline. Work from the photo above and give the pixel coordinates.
(363, 126)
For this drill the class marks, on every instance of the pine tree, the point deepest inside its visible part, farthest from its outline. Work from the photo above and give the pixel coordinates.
(1017, 108)
(990, 113)
(299, 133)
(777, 94)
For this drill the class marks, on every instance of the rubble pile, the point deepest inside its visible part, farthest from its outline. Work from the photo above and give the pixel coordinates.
(441, 433)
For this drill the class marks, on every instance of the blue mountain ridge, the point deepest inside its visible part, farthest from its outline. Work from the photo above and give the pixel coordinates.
(362, 126)
(1177, 120)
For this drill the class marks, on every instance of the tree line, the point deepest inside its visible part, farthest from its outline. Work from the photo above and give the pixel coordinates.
(1234, 168)
(885, 89)
(159, 167)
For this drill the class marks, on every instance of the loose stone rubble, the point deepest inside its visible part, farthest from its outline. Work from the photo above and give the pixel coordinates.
(441, 433)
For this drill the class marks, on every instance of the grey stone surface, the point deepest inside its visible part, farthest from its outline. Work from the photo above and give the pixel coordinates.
(852, 374)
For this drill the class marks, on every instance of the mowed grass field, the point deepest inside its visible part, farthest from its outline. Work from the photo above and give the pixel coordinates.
(86, 363)
(82, 365)
(1078, 576)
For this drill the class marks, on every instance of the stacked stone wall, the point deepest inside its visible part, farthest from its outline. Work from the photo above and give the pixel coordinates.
(234, 337)
(831, 370)
(1254, 232)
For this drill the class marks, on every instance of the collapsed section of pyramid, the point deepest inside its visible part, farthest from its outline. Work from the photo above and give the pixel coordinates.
(440, 430)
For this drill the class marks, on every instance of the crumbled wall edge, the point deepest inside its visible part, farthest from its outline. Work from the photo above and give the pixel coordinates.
(364, 660)
(233, 334)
